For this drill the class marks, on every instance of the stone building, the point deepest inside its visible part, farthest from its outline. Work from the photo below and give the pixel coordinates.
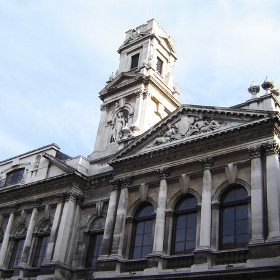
(170, 191)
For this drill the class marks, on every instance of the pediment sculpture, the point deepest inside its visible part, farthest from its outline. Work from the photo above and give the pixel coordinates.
(186, 127)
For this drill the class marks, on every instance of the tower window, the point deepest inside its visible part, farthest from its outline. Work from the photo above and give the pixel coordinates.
(159, 65)
(134, 61)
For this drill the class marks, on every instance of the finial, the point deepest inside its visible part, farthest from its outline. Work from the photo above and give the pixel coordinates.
(267, 85)
(254, 89)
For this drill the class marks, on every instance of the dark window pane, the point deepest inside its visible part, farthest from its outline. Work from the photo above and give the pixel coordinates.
(181, 221)
(40, 252)
(145, 211)
(228, 239)
(242, 212)
(94, 249)
(230, 196)
(190, 245)
(134, 61)
(241, 194)
(228, 214)
(147, 239)
(159, 65)
(191, 233)
(146, 251)
(140, 228)
(137, 252)
(191, 220)
(242, 226)
(192, 203)
(179, 247)
(148, 226)
(228, 228)
(187, 203)
(14, 177)
(138, 240)
(242, 239)
(180, 234)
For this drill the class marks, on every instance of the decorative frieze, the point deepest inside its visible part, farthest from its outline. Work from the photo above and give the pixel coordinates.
(126, 182)
(36, 202)
(115, 184)
(13, 207)
(207, 162)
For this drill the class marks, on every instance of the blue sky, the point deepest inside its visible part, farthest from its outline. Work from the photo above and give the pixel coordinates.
(55, 57)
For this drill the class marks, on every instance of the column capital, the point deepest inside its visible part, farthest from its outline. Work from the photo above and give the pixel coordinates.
(71, 195)
(207, 162)
(271, 147)
(164, 172)
(255, 151)
(126, 181)
(36, 202)
(13, 207)
(104, 107)
(115, 184)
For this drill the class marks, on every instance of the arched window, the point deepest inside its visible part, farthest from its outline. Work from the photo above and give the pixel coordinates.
(234, 218)
(143, 230)
(41, 242)
(184, 236)
(14, 176)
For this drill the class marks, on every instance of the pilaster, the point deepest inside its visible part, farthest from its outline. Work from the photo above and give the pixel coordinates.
(256, 195)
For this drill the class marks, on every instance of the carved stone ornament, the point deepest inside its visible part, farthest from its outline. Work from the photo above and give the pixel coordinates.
(255, 151)
(254, 89)
(271, 147)
(164, 172)
(126, 181)
(45, 227)
(13, 207)
(207, 162)
(192, 126)
(36, 202)
(267, 85)
(104, 107)
(115, 183)
(21, 231)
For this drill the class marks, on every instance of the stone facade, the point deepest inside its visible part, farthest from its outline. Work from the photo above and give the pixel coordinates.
(170, 191)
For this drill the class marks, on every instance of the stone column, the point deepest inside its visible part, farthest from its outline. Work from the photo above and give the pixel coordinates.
(144, 124)
(205, 229)
(273, 189)
(6, 238)
(118, 238)
(160, 214)
(29, 234)
(256, 195)
(65, 227)
(110, 219)
(54, 229)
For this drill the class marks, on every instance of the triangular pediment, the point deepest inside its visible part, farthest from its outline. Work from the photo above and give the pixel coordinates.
(120, 81)
(190, 123)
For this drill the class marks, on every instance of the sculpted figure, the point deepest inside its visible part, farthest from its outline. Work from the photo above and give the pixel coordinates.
(118, 124)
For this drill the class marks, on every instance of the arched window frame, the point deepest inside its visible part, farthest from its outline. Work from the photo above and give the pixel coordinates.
(233, 204)
(93, 240)
(185, 213)
(14, 176)
(17, 240)
(40, 242)
(136, 221)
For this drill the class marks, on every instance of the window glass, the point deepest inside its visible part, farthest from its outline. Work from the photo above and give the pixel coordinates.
(94, 249)
(185, 226)
(14, 177)
(16, 253)
(234, 218)
(134, 61)
(143, 230)
(41, 248)
(159, 65)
